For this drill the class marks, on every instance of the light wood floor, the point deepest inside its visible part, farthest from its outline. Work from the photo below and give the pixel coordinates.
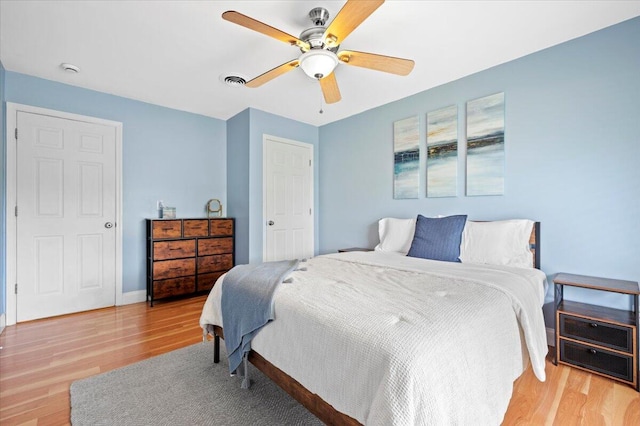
(40, 359)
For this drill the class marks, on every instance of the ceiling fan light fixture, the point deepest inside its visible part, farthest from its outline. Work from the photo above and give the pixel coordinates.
(318, 63)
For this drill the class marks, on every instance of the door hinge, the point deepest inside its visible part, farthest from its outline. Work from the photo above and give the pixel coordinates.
(309, 160)
(16, 211)
(16, 133)
(16, 289)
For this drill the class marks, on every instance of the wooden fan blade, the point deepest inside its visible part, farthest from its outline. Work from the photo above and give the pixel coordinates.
(330, 89)
(383, 63)
(261, 27)
(271, 74)
(352, 14)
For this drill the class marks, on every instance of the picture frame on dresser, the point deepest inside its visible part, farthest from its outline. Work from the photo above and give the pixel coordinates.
(185, 257)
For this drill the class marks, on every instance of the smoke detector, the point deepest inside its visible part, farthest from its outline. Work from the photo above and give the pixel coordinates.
(70, 68)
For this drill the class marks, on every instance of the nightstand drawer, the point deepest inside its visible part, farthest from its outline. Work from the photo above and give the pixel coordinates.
(601, 361)
(597, 332)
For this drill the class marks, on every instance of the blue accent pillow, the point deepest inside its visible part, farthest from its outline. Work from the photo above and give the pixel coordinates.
(438, 238)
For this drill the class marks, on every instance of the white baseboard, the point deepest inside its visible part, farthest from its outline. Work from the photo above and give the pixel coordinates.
(551, 337)
(3, 322)
(134, 297)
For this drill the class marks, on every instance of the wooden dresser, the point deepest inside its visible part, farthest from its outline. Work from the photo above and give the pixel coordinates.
(187, 256)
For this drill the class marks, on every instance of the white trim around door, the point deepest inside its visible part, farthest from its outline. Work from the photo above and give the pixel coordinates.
(12, 110)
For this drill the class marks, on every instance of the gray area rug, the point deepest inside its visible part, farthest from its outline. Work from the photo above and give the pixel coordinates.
(183, 387)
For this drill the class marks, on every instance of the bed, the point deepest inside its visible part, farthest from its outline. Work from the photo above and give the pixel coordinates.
(383, 338)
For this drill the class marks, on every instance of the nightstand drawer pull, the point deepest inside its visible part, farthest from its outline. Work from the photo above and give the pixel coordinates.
(593, 351)
(593, 324)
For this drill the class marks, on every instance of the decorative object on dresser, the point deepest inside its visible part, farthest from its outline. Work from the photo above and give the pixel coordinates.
(214, 207)
(187, 256)
(599, 339)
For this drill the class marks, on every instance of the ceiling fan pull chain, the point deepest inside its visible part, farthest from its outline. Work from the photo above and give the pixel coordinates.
(321, 111)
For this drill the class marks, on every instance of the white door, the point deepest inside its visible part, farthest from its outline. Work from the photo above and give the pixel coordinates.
(66, 211)
(288, 177)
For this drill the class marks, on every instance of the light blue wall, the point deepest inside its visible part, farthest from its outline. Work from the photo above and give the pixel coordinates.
(167, 155)
(572, 157)
(238, 173)
(247, 184)
(3, 194)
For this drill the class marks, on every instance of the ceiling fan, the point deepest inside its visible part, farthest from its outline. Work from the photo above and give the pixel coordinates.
(319, 46)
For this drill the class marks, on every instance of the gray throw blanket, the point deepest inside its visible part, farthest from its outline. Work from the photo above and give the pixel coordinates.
(247, 304)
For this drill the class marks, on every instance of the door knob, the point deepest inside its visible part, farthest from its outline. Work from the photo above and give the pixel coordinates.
(108, 225)
(270, 223)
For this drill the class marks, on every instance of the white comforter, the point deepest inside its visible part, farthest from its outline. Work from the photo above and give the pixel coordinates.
(394, 340)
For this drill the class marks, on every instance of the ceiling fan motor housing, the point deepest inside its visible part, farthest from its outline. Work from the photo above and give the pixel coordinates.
(319, 16)
(314, 35)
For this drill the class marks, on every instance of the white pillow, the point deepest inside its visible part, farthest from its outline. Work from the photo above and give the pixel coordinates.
(503, 242)
(396, 235)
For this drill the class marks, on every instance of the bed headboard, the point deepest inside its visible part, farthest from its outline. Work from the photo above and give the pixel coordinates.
(534, 244)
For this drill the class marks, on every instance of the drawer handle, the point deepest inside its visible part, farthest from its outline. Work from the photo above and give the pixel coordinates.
(593, 324)
(593, 351)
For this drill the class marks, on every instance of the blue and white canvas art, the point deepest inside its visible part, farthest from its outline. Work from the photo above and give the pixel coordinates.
(485, 145)
(406, 158)
(442, 152)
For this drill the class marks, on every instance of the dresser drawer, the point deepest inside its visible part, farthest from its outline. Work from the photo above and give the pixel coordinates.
(207, 281)
(173, 287)
(602, 361)
(599, 333)
(166, 229)
(208, 246)
(163, 250)
(195, 228)
(221, 262)
(173, 268)
(221, 227)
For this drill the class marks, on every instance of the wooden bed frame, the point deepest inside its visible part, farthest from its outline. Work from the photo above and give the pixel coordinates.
(312, 402)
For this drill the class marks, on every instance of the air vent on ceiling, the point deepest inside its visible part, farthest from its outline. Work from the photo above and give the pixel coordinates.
(234, 80)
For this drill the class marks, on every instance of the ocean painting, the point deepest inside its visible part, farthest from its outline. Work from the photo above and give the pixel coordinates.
(485, 145)
(406, 158)
(442, 152)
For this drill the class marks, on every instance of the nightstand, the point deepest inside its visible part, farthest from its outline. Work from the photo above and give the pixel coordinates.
(343, 250)
(598, 339)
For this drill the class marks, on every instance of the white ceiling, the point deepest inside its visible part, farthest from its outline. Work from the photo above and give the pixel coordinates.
(173, 53)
